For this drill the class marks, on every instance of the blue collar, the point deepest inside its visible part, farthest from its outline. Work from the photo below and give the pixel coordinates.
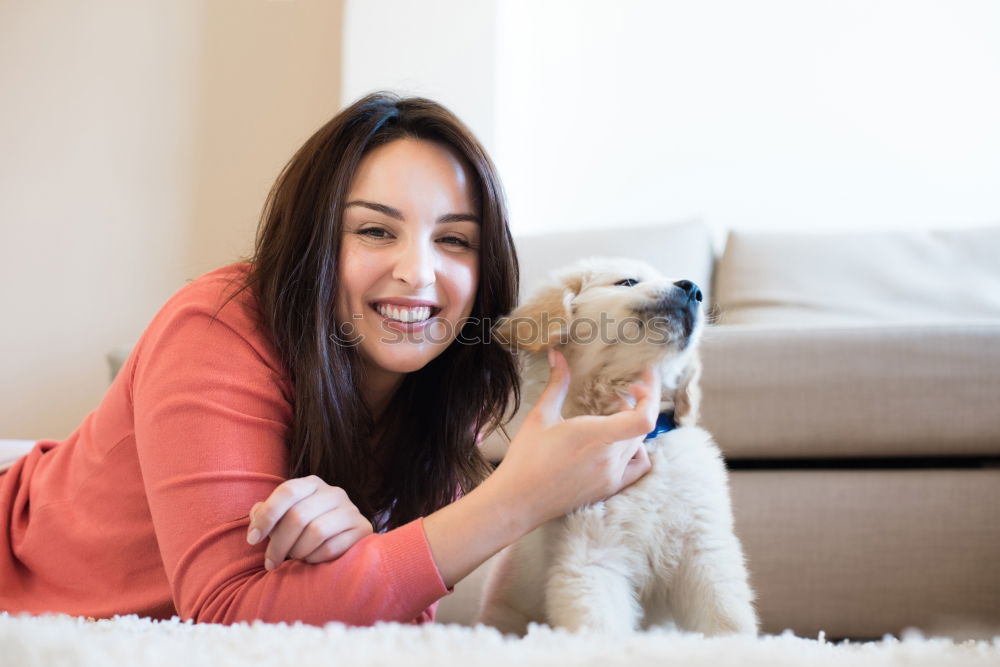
(664, 423)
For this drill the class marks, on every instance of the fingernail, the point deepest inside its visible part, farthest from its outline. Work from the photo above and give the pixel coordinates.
(268, 564)
(552, 358)
(254, 536)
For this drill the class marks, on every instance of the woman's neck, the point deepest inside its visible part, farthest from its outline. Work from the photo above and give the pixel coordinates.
(378, 388)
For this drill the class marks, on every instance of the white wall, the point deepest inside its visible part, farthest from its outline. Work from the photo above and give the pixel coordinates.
(137, 143)
(442, 49)
(769, 114)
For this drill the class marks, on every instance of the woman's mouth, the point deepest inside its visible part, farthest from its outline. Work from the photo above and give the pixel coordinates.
(404, 318)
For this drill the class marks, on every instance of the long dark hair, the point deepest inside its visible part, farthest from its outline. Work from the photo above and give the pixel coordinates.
(427, 449)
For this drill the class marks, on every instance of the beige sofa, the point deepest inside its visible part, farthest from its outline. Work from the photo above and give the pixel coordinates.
(853, 383)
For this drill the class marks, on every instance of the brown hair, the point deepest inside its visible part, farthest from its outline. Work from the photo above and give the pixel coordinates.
(427, 449)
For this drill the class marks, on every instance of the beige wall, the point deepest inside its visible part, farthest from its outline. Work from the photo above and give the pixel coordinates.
(137, 144)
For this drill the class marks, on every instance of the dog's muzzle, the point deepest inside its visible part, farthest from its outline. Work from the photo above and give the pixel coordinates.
(679, 304)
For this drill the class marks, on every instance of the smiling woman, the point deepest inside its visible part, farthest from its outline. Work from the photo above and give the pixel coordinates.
(294, 437)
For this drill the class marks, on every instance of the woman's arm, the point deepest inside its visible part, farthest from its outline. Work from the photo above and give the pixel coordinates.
(466, 533)
(211, 409)
(552, 467)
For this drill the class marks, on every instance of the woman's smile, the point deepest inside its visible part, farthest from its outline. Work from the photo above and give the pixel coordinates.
(412, 312)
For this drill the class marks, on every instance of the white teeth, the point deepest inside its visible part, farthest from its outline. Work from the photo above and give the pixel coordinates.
(418, 314)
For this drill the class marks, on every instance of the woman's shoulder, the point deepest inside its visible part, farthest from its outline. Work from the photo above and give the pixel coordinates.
(222, 292)
(209, 284)
(216, 308)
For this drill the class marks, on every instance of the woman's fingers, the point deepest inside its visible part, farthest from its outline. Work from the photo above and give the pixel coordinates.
(654, 388)
(549, 406)
(646, 394)
(638, 465)
(312, 536)
(581, 459)
(306, 518)
(308, 524)
(336, 546)
(624, 425)
(283, 498)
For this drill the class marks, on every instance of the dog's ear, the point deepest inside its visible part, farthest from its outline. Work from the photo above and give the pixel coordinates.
(687, 396)
(542, 321)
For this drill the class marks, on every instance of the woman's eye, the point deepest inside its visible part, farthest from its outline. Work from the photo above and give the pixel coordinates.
(374, 233)
(456, 240)
(628, 282)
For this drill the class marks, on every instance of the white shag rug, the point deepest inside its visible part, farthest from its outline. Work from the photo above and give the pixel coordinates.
(58, 639)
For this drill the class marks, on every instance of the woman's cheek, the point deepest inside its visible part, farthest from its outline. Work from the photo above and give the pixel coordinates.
(467, 284)
(439, 332)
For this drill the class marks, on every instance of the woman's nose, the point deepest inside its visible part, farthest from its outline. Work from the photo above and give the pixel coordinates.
(415, 264)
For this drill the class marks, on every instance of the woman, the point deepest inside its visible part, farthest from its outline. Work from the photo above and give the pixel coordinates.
(282, 406)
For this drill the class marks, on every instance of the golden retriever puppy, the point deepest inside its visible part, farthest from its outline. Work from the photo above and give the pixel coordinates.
(661, 553)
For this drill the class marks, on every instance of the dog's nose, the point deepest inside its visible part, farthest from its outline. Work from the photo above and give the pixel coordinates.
(692, 290)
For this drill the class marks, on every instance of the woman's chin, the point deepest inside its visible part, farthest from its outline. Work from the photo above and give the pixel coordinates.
(405, 352)
(398, 360)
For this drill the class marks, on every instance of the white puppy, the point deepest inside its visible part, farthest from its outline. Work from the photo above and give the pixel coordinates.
(662, 552)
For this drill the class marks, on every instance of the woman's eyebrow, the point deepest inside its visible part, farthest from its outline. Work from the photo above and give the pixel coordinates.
(459, 217)
(398, 215)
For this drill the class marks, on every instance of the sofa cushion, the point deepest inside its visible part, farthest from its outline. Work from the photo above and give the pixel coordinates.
(864, 390)
(797, 278)
(680, 250)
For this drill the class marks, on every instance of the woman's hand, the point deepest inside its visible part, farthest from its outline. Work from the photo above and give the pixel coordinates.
(306, 519)
(556, 465)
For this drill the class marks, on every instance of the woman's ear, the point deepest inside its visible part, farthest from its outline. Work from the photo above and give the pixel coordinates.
(542, 321)
(687, 397)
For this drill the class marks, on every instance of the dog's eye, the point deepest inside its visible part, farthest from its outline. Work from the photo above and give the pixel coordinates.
(628, 282)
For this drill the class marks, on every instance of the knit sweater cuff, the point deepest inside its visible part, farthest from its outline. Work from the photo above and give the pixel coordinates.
(408, 555)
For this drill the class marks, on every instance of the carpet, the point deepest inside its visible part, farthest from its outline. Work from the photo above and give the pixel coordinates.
(58, 639)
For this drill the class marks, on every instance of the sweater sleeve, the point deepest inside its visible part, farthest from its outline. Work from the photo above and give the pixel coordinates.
(212, 407)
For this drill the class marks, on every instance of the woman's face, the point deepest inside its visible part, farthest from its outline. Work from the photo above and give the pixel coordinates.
(409, 260)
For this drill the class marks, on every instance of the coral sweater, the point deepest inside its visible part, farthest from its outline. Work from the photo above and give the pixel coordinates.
(143, 509)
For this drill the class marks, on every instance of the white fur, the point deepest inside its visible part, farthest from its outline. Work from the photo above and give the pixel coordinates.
(662, 553)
